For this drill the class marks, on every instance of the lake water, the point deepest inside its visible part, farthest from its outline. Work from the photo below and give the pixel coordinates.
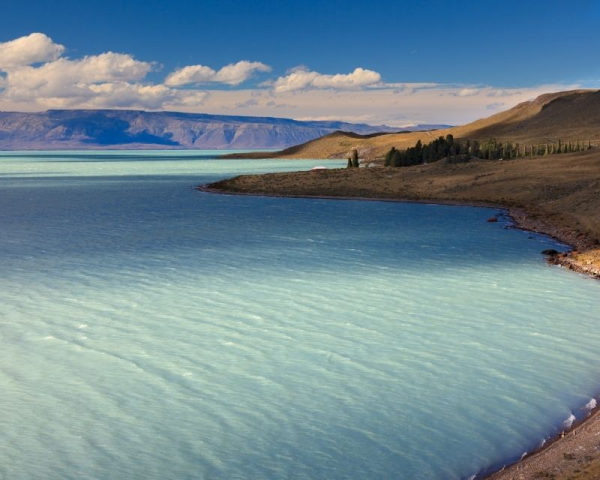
(151, 331)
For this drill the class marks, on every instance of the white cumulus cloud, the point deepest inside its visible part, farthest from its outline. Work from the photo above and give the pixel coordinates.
(232, 74)
(34, 73)
(72, 80)
(65, 78)
(303, 79)
(34, 48)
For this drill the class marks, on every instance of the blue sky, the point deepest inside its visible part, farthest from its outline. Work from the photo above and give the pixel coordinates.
(475, 51)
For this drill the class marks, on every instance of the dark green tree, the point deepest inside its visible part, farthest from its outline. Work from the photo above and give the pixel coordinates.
(396, 160)
(388, 157)
(354, 157)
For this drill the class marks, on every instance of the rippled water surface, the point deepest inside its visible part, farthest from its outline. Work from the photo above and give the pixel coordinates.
(150, 331)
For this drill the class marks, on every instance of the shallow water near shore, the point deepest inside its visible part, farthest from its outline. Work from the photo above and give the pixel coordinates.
(151, 331)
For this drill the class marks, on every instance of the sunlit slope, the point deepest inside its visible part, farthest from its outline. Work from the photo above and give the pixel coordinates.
(570, 116)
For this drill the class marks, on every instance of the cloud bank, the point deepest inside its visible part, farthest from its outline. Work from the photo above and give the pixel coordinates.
(36, 74)
(402, 106)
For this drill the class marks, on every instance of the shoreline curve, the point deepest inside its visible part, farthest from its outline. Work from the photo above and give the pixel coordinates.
(518, 218)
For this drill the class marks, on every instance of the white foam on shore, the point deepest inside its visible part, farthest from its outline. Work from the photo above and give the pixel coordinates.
(568, 423)
(591, 405)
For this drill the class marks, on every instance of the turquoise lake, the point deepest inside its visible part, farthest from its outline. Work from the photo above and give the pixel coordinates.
(152, 331)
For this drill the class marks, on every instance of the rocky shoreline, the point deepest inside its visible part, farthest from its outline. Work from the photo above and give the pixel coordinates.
(585, 263)
(580, 259)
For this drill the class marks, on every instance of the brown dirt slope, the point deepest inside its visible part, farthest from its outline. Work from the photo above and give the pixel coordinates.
(570, 116)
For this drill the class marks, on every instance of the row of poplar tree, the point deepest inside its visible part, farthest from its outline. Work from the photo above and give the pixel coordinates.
(447, 147)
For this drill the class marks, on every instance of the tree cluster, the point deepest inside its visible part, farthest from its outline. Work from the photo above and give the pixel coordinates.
(451, 149)
(494, 150)
(441, 147)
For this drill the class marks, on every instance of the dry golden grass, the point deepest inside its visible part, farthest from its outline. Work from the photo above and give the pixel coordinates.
(570, 116)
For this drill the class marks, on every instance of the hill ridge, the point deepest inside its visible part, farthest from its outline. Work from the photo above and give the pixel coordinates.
(569, 115)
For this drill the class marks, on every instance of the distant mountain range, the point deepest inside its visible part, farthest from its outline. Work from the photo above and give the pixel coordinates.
(133, 129)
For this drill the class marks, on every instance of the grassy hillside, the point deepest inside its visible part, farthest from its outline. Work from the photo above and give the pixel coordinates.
(571, 116)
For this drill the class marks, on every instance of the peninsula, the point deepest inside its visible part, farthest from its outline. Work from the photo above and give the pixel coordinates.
(556, 194)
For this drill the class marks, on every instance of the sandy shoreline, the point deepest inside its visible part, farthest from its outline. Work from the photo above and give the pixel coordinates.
(571, 454)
